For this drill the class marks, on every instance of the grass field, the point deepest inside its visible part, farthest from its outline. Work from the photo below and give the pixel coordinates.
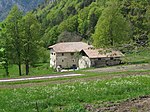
(137, 57)
(72, 97)
(40, 69)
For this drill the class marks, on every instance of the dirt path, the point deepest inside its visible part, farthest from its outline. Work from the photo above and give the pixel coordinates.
(122, 68)
(72, 80)
(141, 104)
(37, 78)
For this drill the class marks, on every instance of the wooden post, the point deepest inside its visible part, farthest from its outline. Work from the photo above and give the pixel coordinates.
(37, 108)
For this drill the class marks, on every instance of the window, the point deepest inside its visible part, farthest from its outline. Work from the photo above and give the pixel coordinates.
(73, 60)
(62, 60)
(99, 58)
(111, 58)
(72, 54)
(62, 54)
(52, 53)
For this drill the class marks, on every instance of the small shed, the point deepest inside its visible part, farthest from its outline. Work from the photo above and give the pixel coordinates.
(99, 58)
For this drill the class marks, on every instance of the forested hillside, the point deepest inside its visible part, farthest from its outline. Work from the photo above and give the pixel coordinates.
(104, 22)
(101, 22)
(121, 24)
(24, 5)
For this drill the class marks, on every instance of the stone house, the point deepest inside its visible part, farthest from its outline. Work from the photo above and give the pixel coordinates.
(82, 55)
(65, 54)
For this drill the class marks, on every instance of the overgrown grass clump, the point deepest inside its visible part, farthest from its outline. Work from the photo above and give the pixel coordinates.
(139, 56)
(72, 96)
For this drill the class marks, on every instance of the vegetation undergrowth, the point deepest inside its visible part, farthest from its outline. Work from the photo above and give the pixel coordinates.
(68, 97)
(138, 56)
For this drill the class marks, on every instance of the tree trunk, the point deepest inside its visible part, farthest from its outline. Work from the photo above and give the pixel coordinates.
(6, 68)
(18, 46)
(19, 64)
(111, 34)
(28, 54)
(27, 67)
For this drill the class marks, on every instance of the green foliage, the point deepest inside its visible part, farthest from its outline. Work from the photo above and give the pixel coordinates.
(5, 52)
(148, 24)
(50, 37)
(4, 60)
(22, 38)
(137, 56)
(13, 29)
(70, 24)
(69, 37)
(82, 16)
(1, 56)
(30, 37)
(73, 16)
(87, 19)
(83, 22)
(43, 55)
(135, 12)
(112, 29)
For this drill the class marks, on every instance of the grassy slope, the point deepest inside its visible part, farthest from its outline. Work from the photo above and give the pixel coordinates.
(142, 55)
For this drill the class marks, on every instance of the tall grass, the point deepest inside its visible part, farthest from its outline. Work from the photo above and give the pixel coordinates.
(142, 55)
(72, 97)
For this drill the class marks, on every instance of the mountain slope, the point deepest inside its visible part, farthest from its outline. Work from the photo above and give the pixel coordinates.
(25, 5)
(84, 17)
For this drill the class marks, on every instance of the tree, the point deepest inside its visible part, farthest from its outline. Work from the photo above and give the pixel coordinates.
(112, 29)
(83, 21)
(93, 16)
(13, 31)
(70, 24)
(135, 12)
(31, 39)
(148, 24)
(4, 60)
(4, 48)
(50, 37)
(69, 37)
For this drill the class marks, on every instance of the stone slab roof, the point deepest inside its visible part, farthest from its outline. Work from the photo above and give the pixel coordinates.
(100, 53)
(69, 47)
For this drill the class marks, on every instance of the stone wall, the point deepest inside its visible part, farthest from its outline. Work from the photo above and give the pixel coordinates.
(66, 60)
(52, 58)
(102, 62)
(84, 62)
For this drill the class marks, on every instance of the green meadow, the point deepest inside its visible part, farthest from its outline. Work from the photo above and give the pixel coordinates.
(72, 97)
